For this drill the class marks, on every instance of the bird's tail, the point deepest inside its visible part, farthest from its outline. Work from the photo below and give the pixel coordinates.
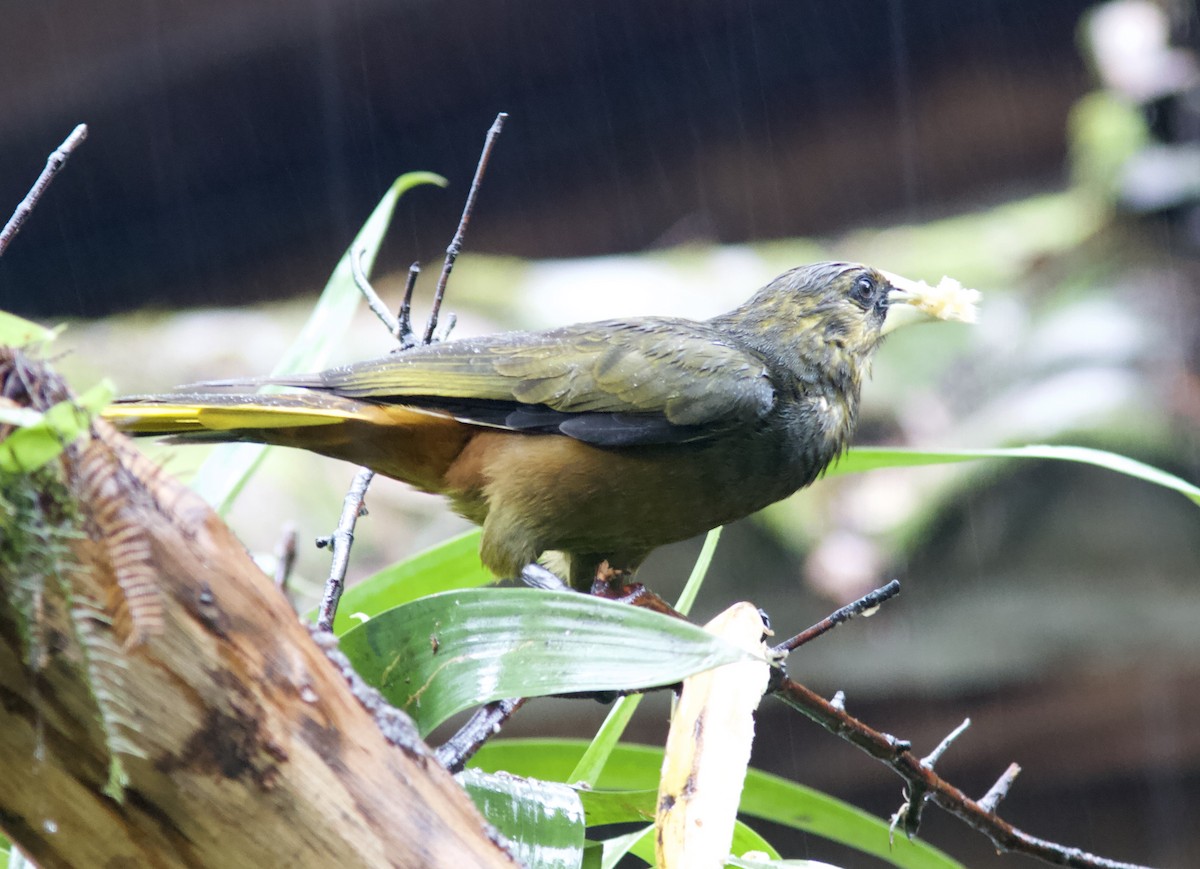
(407, 443)
(215, 417)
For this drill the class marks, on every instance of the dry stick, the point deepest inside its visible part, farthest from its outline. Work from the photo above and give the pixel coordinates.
(454, 753)
(54, 163)
(867, 602)
(378, 308)
(341, 541)
(921, 779)
(915, 796)
(999, 790)
(407, 339)
(352, 506)
(455, 247)
(930, 760)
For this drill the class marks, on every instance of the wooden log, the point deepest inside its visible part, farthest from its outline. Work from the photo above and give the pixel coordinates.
(162, 705)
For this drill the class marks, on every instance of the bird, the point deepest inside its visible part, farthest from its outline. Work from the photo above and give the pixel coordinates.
(599, 441)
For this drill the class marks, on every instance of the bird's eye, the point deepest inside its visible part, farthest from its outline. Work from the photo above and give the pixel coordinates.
(864, 291)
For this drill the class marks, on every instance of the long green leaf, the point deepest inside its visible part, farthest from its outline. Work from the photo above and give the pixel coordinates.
(543, 821)
(228, 467)
(870, 458)
(442, 654)
(628, 788)
(691, 588)
(618, 846)
(450, 565)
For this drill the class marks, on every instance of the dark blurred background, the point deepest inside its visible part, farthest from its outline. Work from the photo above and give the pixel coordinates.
(236, 145)
(685, 151)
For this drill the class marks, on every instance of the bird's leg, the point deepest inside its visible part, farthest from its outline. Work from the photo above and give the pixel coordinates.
(613, 584)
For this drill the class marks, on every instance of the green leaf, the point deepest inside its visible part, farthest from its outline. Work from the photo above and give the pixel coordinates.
(451, 651)
(618, 846)
(870, 458)
(699, 571)
(543, 821)
(773, 798)
(229, 466)
(607, 738)
(450, 565)
(628, 788)
(18, 332)
(42, 437)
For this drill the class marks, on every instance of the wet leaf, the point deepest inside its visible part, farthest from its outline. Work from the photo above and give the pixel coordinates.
(452, 651)
(543, 821)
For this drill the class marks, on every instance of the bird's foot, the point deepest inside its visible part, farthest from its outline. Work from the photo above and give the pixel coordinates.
(613, 584)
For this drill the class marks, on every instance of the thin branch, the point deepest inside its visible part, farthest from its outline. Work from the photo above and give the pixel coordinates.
(915, 793)
(454, 753)
(341, 541)
(54, 163)
(930, 760)
(999, 790)
(359, 271)
(445, 328)
(455, 247)
(864, 604)
(407, 338)
(401, 328)
(920, 779)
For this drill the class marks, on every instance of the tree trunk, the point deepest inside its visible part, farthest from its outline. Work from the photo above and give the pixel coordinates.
(162, 705)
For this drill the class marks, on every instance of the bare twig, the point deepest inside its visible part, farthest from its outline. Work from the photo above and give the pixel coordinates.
(931, 759)
(915, 793)
(446, 327)
(999, 790)
(920, 779)
(341, 541)
(54, 163)
(455, 247)
(401, 328)
(408, 340)
(864, 604)
(378, 308)
(454, 753)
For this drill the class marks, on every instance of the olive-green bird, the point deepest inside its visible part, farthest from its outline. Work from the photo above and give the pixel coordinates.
(601, 440)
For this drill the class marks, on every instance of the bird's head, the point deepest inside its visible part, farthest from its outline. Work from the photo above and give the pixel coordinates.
(829, 317)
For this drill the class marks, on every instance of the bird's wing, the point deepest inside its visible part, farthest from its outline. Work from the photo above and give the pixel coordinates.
(614, 383)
